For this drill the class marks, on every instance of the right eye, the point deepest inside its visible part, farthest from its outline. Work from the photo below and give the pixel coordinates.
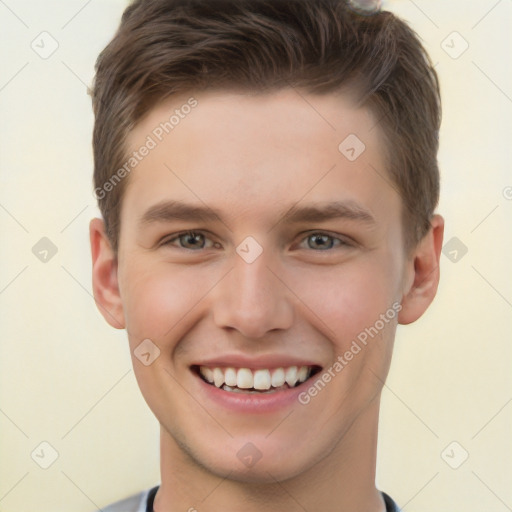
(188, 240)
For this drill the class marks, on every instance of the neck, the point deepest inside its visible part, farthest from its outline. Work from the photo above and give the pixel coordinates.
(343, 480)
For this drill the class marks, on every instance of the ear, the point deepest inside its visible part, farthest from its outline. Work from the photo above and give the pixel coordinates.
(104, 276)
(423, 273)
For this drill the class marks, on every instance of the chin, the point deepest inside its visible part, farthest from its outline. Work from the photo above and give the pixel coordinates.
(256, 461)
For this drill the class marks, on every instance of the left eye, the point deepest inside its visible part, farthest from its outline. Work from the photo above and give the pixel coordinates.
(193, 240)
(323, 241)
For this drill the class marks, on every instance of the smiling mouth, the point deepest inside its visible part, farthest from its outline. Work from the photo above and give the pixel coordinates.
(245, 380)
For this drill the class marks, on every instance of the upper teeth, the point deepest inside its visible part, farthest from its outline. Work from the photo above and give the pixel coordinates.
(246, 378)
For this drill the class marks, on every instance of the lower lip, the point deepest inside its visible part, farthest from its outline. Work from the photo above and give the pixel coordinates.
(256, 403)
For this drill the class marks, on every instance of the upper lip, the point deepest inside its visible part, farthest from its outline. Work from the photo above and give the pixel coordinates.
(256, 362)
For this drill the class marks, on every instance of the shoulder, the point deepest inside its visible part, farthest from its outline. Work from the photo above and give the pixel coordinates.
(135, 503)
(391, 506)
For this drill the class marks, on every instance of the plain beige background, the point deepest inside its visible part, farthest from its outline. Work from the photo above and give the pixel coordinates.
(65, 375)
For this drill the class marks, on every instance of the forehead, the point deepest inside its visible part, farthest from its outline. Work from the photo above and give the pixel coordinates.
(253, 155)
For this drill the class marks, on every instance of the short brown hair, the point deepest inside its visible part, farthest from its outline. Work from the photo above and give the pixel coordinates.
(165, 47)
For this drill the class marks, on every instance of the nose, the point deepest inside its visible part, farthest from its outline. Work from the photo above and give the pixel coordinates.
(252, 299)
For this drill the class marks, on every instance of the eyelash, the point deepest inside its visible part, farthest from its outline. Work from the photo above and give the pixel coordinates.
(168, 241)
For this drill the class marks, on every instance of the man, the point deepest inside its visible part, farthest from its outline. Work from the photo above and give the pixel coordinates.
(267, 176)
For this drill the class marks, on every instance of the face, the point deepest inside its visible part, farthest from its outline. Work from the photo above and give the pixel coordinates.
(264, 257)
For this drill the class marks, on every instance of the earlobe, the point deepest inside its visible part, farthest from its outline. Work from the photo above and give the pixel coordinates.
(104, 276)
(425, 269)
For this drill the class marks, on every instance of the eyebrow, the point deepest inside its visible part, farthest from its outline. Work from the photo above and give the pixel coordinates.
(168, 211)
(328, 211)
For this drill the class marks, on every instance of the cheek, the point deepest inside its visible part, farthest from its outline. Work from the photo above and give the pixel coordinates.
(357, 303)
(349, 299)
(157, 299)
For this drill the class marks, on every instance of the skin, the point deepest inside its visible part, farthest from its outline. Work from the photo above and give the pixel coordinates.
(253, 157)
